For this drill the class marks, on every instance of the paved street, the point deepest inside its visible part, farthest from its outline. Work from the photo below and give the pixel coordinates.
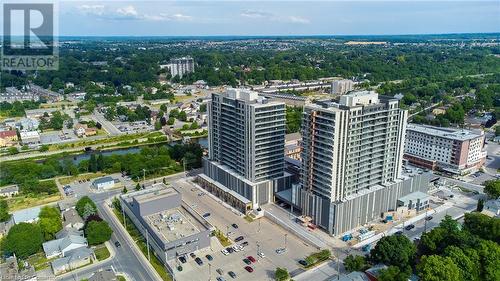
(106, 125)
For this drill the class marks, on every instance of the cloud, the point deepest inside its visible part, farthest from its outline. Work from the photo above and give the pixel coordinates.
(253, 14)
(128, 13)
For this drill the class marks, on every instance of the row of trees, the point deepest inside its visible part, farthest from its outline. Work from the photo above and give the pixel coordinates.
(96, 229)
(17, 108)
(448, 252)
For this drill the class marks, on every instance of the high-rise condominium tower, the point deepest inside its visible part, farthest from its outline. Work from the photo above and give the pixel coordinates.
(352, 159)
(246, 144)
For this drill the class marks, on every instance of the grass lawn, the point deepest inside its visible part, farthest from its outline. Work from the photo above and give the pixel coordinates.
(39, 261)
(68, 180)
(317, 258)
(101, 252)
(139, 240)
(27, 201)
(121, 278)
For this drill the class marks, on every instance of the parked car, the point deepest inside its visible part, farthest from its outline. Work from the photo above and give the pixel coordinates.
(410, 227)
(206, 215)
(244, 244)
(225, 252)
(252, 259)
(192, 255)
(236, 248)
(239, 238)
(198, 261)
(230, 250)
(261, 254)
(428, 218)
(399, 232)
(117, 244)
(303, 262)
(280, 251)
(182, 259)
(247, 261)
(232, 274)
(248, 268)
(234, 225)
(220, 271)
(220, 278)
(209, 257)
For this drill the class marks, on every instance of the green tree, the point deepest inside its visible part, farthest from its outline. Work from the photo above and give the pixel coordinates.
(44, 148)
(23, 239)
(158, 125)
(482, 226)
(489, 258)
(182, 116)
(394, 273)
(50, 222)
(436, 268)
(469, 269)
(171, 121)
(93, 164)
(98, 232)
(492, 188)
(100, 162)
(355, 263)
(85, 207)
(480, 205)
(137, 186)
(395, 250)
(4, 211)
(281, 274)
(12, 150)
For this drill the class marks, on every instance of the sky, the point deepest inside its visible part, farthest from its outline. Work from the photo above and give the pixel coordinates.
(230, 17)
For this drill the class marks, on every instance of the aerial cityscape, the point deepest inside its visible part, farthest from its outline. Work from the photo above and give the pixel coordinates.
(234, 140)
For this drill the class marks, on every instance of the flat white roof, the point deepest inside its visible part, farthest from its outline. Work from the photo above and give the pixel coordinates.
(449, 133)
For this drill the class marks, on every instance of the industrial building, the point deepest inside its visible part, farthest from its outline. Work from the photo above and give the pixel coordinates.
(352, 161)
(246, 149)
(457, 151)
(170, 226)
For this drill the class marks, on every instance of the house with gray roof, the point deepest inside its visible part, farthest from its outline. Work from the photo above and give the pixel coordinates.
(67, 231)
(72, 219)
(26, 215)
(61, 246)
(9, 191)
(73, 259)
(103, 183)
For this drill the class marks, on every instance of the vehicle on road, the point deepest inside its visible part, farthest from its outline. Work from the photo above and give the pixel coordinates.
(117, 244)
(280, 251)
(192, 255)
(198, 261)
(410, 227)
(428, 218)
(252, 259)
(303, 262)
(239, 238)
(261, 254)
(248, 268)
(247, 261)
(209, 257)
(232, 274)
(206, 215)
(234, 226)
(220, 271)
(182, 259)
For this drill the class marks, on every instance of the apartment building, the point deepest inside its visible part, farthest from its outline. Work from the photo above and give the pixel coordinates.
(457, 151)
(341, 87)
(246, 147)
(352, 160)
(181, 66)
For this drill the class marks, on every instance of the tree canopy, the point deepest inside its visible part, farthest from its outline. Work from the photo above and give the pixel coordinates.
(98, 232)
(23, 239)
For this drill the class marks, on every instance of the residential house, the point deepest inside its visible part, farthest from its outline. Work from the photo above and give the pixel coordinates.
(5, 227)
(28, 124)
(67, 231)
(59, 247)
(72, 219)
(103, 276)
(8, 138)
(9, 270)
(26, 215)
(492, 208)
(73, 259)
(79, 129)
(103, 183)
(9, 191)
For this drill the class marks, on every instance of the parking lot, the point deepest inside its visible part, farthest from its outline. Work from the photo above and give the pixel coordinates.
(261, 235)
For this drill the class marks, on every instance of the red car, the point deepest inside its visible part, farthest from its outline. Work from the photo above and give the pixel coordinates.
(252, 259)
(248, 268)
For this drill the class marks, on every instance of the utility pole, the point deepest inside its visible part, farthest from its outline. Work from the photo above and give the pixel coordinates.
(144, 176)
(123, 213)
(285, 239)
(338, 263)
(147, 243)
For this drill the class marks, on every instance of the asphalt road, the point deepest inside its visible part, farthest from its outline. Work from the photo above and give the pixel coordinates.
(106, 125)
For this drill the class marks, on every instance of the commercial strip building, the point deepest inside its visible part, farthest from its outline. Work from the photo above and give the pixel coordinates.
(170, 226)
(246, 148)
(352, 161)
(457, 151)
